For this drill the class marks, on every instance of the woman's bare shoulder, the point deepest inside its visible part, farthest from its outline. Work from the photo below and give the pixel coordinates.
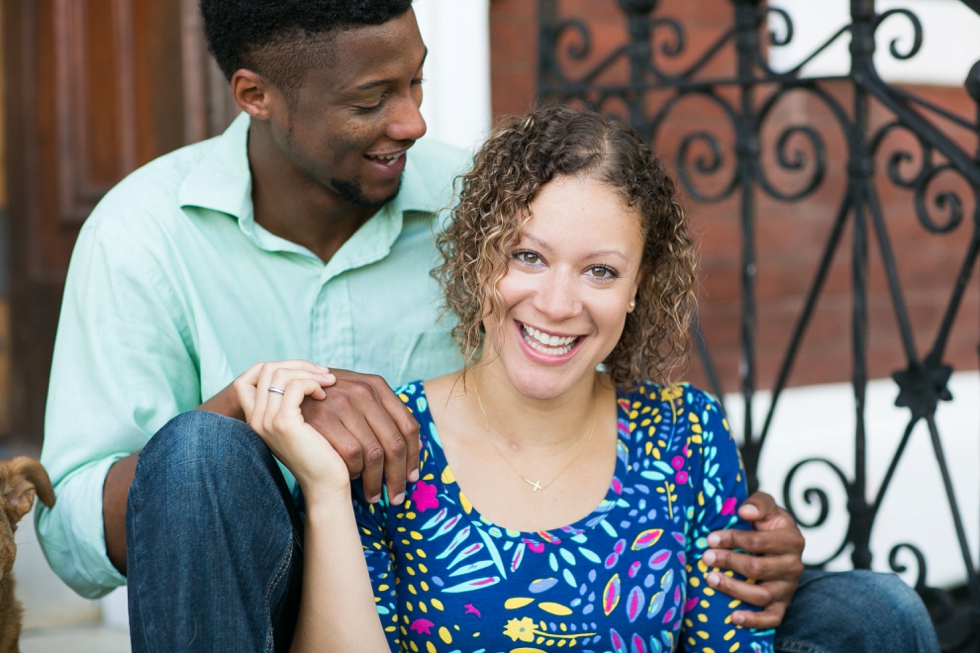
(442, 388)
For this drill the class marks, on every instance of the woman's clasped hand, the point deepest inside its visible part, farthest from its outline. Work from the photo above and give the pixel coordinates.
(270, 394)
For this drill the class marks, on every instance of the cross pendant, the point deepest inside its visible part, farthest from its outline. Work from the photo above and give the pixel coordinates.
(535, 484)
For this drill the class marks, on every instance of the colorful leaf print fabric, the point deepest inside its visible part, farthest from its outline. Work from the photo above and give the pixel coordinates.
(628, 578)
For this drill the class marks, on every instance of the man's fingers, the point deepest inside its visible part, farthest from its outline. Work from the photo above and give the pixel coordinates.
(769, 618)
(372, 454)
(753, 594)
(407, 426)
(384, 428)
(758, 506)
(751, 541)
(761, 568)
(347, 446)
(387, 446)
(781, 542)
(395, 454)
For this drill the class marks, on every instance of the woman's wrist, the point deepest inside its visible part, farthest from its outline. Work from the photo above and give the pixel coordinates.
(326, 497)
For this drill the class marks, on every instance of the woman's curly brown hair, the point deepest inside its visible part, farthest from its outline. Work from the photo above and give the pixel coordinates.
(494, 206)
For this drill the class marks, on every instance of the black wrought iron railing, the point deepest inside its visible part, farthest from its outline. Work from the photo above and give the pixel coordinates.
(646, 91)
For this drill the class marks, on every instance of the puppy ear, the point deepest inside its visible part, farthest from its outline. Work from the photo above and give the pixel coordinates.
(23, 478)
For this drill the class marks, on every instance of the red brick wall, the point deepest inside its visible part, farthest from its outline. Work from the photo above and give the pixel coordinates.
(790, 236)
(513, 55)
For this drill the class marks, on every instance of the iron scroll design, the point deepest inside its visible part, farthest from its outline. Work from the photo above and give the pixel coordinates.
(662, 73)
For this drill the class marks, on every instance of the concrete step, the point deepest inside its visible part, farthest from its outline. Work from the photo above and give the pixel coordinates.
(56, 620)
(79, 639)
(48, 602)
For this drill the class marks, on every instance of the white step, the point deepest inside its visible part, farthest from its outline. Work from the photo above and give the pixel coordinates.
(79, 639)
(57, 620)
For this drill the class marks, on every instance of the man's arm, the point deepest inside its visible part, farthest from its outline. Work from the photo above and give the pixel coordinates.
(776, 562)
(114, 495)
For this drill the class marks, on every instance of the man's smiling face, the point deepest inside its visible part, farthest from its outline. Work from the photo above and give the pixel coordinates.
(351, 121)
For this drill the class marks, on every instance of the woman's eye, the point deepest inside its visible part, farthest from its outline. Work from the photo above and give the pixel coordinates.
(602, 272)
(529, 257)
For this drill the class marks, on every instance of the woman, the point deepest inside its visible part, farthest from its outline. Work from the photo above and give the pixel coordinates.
(557, 506)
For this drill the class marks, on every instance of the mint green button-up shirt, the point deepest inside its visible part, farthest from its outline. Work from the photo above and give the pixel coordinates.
(174, 290)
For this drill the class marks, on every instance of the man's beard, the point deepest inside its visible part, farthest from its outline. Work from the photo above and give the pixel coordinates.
(351, 192)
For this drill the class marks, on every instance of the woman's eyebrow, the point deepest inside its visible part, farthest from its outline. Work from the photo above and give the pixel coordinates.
(596, 254)
(607, 252)
(591, 255)
(540, 243)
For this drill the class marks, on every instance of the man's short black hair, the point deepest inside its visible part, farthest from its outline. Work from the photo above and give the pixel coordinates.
(281, 39)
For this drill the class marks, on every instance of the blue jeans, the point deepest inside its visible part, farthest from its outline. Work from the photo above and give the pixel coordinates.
(215, 559)
(213, 542)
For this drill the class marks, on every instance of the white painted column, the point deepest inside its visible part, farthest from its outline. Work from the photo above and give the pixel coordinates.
(456, 105)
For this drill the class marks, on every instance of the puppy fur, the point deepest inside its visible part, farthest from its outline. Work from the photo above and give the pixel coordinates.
(20, 479)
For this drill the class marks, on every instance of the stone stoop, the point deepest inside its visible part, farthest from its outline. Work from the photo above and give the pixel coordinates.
(79, 639)
(48, 602)
(55, 618)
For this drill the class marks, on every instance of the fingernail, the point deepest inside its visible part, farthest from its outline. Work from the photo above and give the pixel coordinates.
(376, 498)
(323, 369)
(397, 501)
(737, 618)
(708, 557)
(413, 475)
(749, 511)
(713, 579)
(714, 540)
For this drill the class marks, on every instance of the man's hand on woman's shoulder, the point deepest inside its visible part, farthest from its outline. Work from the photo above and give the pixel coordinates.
(776, 565)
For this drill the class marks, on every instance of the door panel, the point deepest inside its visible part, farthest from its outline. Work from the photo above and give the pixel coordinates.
(95, 88)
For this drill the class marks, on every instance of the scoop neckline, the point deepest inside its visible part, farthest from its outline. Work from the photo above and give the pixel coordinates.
(561, 532)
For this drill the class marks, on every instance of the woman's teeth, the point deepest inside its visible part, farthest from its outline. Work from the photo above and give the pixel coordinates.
(547, 344)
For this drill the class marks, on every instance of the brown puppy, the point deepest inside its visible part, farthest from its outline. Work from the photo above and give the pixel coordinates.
(20, 479)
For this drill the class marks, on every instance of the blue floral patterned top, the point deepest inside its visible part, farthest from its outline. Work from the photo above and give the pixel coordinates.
(627, 578)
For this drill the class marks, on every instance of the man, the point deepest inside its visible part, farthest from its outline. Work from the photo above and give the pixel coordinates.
(304, 232)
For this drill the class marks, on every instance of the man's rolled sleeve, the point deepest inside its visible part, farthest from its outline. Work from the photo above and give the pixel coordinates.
(73, 533)
(122, 368)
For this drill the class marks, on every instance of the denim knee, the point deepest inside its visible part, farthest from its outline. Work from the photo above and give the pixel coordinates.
(204, 442)
(856, 611)
(213, 540)
(894, 597)
(202, 458)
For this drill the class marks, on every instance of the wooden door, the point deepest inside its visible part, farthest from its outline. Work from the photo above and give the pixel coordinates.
(95, 88)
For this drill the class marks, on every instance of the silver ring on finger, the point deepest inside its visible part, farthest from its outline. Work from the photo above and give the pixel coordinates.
(278, 391)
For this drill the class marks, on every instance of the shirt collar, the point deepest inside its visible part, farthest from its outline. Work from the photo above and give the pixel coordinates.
(222, 181)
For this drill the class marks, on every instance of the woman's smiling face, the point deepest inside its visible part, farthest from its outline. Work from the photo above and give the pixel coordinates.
(568, 288)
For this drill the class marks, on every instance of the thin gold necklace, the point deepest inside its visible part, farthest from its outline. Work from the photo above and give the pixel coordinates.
(536, 485)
